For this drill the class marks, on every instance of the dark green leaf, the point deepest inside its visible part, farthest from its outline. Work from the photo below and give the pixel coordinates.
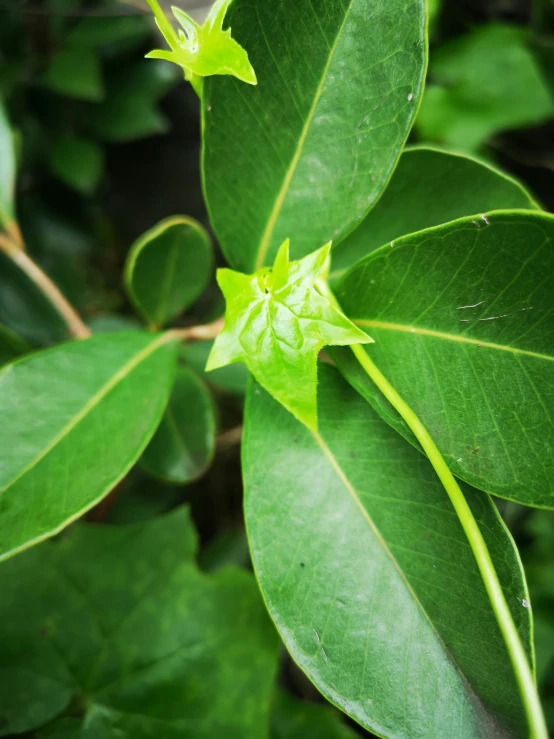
(116, 629)
(75, 419)
(75, 73)
(11, 345)
(463, 322)
(277, 322)
(183, 446)
(429, 187)
(7, 169)
(102, 32)
(339, 84)
(485, 81)
(368, 574)
(112, 322)
(130, 109)
(231, 379)
(77, 162)
(229, 547)
(295, 719)
(168, 268)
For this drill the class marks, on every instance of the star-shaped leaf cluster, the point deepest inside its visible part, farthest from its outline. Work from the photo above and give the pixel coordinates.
(203, 50)
(276, 322)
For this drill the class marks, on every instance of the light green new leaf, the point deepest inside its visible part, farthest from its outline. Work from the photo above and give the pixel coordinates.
(320, 136)
(369, 577)
(168, 268)
(7, 168)
(78, 162)
(114, 632)
(184, 443)
(295, 719)
(276, 322)
(203, 50)
(417, 197)
(463, 321)
(74, 420)
(483, 82)
(75, 73)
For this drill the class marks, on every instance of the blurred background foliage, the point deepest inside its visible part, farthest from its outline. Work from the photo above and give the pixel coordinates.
(108, 145)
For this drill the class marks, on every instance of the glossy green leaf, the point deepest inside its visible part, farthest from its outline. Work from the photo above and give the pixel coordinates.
(114, 632)
(463, 322)
(75, 420)
(231, 379)
(168, 268)
(295, 719)
(7, 168)
(203, 50)
(306, 153)
(11, 345)
(369, 577)
(75, 73)
(483, 82)
(277, 322)
(111, 322)
(130, 109)
(183, 446)
(77, 162)
(429, 187)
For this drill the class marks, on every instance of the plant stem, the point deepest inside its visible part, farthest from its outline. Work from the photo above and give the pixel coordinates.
(518, 658)
(199, 333)
(72, 320)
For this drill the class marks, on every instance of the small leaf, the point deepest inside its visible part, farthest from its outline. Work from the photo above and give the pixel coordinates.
(113, 631)
(369, 576)
(483, 82)
(76, 74)
(7, 169)
(168, 268)
(183, 446)
(463, 321)
(416, 198)
(203, 50)
(276, 322)
(77, 162)
(74, 420)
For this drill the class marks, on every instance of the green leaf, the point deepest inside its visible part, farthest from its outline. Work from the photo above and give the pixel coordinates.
(7, 169)
(321, 134)
(183, 446)
(231, 379)
(463, 323)
(276, 322)
(203, 50)
(168, 268)
(130, 110)
(114, 632)
(75, 420)
(295, 719)
(77, 162)
(11, 345)
(485, 81)
(75, 73)
(102, 32)
(368, 575)
(417, 198)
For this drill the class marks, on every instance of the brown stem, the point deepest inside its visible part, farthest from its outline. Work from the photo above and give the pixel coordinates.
(199, 333)
(14, 251)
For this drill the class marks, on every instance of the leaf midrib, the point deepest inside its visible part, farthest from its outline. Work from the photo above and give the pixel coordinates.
(117, 377)
(367, 518)
(278, 204)
(419, 331)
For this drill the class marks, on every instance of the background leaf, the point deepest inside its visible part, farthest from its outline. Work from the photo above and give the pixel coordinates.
(135, 641)
(463, 322)
(76, 418)
(184, 443)
(11, 345)
(231, 379)
(417, 197)
(168, 268)
(369, 577)
(295, 719)
(333, 79)
(77, 162)
(7, 168)
(75, 73)
(485, 81)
